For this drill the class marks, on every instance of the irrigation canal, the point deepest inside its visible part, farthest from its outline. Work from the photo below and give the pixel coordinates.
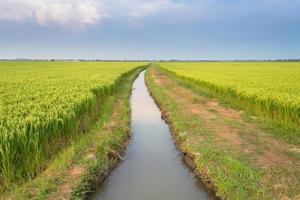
(152, 166)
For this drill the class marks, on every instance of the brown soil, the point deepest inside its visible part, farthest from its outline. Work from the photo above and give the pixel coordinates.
(65, 189)
(270, 158)
(75, 171)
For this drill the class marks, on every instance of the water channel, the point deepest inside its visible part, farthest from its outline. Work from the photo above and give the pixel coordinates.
(152, 168)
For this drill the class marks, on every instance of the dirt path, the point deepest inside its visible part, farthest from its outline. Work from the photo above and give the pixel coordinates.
(228, 129)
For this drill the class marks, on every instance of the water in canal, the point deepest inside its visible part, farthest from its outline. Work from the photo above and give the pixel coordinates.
(152, 166)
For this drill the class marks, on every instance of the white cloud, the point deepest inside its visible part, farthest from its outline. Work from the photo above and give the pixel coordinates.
(146, 8)
(78, 14)
(142, 8)
(75, 14)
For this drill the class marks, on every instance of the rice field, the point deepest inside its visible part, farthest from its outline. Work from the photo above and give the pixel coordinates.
(39, 105)
(269, 89)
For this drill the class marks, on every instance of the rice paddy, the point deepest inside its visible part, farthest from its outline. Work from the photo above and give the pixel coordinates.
(265, 88)
(40, 104)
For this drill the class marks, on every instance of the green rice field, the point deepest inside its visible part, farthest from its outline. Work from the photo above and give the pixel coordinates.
(40, 104)
(266, 88)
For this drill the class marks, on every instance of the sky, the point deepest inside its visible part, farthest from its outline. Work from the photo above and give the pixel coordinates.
(150, 29)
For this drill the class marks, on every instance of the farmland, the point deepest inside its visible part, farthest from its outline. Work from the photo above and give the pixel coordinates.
(267, 89)
(44, 104)
(64, 126)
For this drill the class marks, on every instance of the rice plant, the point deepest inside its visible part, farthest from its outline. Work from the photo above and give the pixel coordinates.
(39, 105)
(270, 89)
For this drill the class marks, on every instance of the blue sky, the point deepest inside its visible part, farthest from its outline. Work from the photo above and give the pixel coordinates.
(144, 29)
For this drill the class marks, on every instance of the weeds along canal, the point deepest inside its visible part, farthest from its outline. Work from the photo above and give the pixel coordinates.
(152, 166)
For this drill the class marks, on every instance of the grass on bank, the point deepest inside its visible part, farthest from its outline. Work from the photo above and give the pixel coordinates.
(89, 158)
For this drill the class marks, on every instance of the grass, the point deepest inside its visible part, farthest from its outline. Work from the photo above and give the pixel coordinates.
(89, 158)
(234, 179)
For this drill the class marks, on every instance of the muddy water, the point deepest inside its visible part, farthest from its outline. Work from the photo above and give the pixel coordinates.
(152, 166)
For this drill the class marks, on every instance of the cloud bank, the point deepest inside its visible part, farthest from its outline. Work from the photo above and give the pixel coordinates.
(65, 13)
(83, 13)
(80, 14)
